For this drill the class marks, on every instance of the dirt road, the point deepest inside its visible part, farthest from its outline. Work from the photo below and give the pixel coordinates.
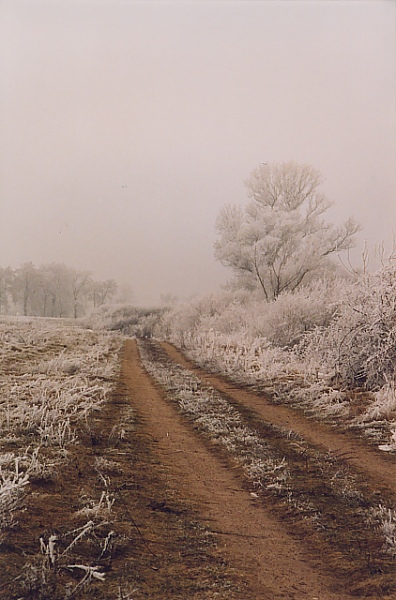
(273, 564)
(378, 467)
(182, 486)
(277, 547)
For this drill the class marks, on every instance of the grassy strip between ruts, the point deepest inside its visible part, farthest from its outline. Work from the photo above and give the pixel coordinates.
(316, 493)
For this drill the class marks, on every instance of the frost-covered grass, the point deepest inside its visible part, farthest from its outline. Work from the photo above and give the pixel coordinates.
(288, 379)
(273, 462)
(213, 415)
(316, 348)
(385, 520)
(280, 372)
(383, 405)
(52, 380)
(54, 377)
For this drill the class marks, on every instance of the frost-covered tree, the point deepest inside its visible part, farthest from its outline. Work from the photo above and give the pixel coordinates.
(25, 288)
(52, 290)
(59, 290)
(80, 282)
(280, 238)
(102, 292)
(6, 281)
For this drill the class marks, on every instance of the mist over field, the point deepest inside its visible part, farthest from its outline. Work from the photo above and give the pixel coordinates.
(127, 126)
(197, 299)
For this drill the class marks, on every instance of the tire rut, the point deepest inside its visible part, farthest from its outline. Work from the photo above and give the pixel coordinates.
(275, 565)
(340, 511)
(377, 467)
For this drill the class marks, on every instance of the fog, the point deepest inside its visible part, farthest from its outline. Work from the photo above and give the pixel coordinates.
(126, 126)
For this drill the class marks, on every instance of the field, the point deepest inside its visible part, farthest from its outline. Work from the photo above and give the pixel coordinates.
(82, 495)
(127, 472)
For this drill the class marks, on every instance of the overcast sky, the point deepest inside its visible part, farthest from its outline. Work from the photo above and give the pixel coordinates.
(126, 126)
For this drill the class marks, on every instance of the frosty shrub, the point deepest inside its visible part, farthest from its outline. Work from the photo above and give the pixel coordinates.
(241, 334)
(285, 321)
(126, 318)
(308, 348)
(219, 312)
(227, 341)
(360, 343)
(112, 317)
(249, 317)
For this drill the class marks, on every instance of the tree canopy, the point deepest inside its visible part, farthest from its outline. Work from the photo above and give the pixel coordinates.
(280, 237)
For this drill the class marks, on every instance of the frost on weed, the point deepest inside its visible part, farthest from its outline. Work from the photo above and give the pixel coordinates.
(379, 418)
(12, 486)
(385, 519)
(214, 416)
(52, 380)
(383, 405)
(98, 508)
(44, 575)
(274, 472)
(319, 399)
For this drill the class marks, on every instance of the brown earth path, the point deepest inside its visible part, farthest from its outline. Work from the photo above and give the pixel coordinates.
(275, 565)
(378, 467)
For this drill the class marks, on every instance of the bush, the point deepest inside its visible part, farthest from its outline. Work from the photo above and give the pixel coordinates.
(282, 322)
(360, 343)
(128, 319)
(285, 321)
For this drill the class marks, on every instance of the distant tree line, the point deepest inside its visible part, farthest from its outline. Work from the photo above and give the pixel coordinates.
(52, 290)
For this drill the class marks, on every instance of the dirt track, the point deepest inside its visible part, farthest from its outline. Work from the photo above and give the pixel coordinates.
(273, 564)
(380, 468)
(255, 539)
(187, 520)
